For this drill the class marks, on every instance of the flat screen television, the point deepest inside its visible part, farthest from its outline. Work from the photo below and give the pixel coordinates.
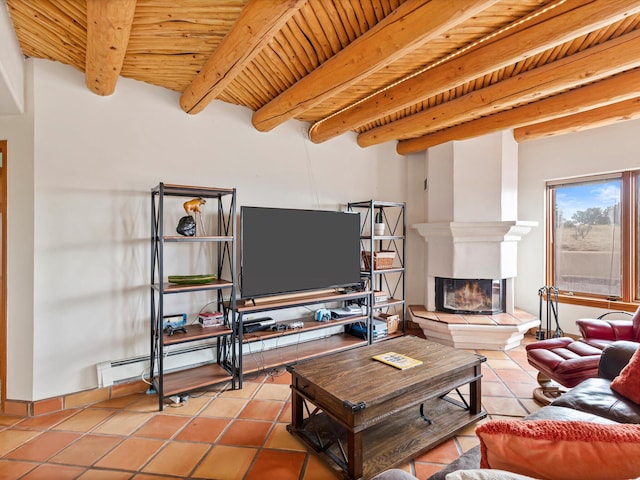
(289, 250)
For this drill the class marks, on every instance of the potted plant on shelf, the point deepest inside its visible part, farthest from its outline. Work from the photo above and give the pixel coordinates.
(378, 226)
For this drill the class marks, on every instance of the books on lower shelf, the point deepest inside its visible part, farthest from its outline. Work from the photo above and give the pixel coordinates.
(397, 360)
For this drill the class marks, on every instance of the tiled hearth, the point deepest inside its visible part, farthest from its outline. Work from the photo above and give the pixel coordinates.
(216, 435)
(501, 331)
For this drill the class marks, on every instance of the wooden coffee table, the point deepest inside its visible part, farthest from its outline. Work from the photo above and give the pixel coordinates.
(363, 416)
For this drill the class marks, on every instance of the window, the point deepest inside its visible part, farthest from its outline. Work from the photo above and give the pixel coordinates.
(591, 246)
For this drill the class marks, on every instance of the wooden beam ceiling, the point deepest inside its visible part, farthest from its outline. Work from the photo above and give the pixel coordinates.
(619, 88)
(415, 71)
(598, 117)
(592, 64)
(405, 29)
(108, 29)
(476, 62)
(258, 23)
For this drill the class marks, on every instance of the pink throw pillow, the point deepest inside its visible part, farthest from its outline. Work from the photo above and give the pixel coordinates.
(561, 450)
(627, 383)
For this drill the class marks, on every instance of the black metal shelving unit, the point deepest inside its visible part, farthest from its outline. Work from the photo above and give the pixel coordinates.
(391, 280)
(223, 369)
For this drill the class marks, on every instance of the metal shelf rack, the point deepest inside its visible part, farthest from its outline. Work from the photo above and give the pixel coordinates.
(223, 369)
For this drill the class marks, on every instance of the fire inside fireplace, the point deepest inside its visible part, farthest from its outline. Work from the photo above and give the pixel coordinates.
(470, 296)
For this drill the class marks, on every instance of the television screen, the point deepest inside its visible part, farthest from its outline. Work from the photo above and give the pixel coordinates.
(289, 250)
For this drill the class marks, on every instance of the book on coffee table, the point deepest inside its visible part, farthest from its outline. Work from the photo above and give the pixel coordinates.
(397, 360)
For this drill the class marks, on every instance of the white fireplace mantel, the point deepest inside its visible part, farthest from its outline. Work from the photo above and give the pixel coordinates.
(465, 250)
(505, 231)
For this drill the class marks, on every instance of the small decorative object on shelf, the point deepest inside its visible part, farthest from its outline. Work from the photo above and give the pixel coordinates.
(381, 260)
(378, 227)
(192, 279)
(186, 226)
(193, 206)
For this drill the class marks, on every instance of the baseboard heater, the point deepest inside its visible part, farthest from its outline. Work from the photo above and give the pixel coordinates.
(135, 368)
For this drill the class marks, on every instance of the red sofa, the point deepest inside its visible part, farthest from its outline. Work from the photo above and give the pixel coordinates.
(592, 401)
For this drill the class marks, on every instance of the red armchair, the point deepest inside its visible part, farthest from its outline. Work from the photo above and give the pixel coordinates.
(600, 332)
(564, 362)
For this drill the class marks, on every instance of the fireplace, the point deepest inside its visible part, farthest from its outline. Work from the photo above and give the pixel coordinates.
(470, 296)
(472, 232)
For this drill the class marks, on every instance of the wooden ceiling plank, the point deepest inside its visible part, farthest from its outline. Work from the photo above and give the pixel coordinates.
(278, 65)
(337, 21)
(108, 28)
(598, 117)
(303, 42)
(595, 63)
(463, 68)
(377, 10)
(245, 91)
(394, 36)
(619, 88)
(275, 76)
(324, 20)
(361, 17)
(53, 34)
(545, 57)
(315, 29)
(259, 85)
(259, 21)
(283, 47)
(370, 14)
(351, 20)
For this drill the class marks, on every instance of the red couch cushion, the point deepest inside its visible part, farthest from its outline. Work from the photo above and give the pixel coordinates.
(561, 450)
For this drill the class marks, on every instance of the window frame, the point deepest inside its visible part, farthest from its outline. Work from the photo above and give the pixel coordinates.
(630, 256)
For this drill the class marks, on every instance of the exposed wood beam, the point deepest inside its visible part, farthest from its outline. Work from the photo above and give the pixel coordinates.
(596, 63)
(598, 117)
(619, 88)
(259, 21)
(400, 32)
(108, 28)
(516, 47)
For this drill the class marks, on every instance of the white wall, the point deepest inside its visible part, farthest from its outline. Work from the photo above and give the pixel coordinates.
(416, 213)
(11, 66)
(607, 149)
(80, 170)
(96, 159)
(18, 166)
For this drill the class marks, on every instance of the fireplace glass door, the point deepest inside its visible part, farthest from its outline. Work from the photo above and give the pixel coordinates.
(470, 296)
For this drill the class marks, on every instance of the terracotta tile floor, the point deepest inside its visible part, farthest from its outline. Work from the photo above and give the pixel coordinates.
(217, 435)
